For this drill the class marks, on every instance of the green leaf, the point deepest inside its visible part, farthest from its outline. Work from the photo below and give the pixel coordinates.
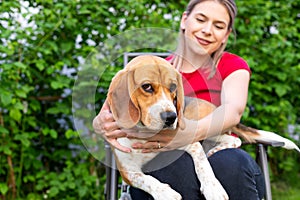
(6, 150)
(40, 64)
(15, 114)
(56, 85)
(72, 185)
(53, 191)
(23, 138)
(29, 178)
(6, 97)
(53, 134)
(20, 65)
(3, 188)
(281, 90)
(60, 108)
(60, 82)
(67, 46)
(82, 191)
(70, 133)
(3, 130)
(21, 93)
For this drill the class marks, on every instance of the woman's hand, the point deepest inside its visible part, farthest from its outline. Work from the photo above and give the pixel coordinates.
(159, 142)
(105, 125)
(167, 140)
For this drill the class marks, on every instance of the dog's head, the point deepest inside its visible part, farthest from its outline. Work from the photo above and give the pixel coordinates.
(148, 92)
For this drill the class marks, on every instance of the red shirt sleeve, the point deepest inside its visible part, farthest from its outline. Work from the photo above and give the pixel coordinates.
(230, 63)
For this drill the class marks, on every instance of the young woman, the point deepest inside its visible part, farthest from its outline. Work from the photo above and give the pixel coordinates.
(223, 80)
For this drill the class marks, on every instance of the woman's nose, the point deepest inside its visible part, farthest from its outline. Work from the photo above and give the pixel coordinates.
(206, 29)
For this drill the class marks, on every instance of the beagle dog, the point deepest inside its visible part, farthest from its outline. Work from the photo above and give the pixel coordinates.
(148, 95)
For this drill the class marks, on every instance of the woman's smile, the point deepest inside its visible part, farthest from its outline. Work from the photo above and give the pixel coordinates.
(203, 42)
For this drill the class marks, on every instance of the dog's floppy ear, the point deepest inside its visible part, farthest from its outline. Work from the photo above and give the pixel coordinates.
(125, 112)
(180, 102)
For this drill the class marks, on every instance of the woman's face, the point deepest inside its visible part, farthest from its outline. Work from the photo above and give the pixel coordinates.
(206, 27)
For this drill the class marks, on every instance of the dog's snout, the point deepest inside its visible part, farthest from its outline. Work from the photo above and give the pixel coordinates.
(168, 117)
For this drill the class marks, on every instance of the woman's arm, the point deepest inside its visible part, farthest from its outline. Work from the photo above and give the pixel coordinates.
(233, 102)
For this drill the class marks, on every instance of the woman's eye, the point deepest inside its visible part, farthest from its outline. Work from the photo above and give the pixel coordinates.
(148, 88)
(200, 19)
(219, 27)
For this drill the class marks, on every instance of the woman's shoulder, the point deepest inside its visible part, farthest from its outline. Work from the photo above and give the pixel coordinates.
(230, 62)
(228, 57)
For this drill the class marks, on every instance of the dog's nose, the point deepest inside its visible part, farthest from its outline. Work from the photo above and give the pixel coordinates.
(168, 117)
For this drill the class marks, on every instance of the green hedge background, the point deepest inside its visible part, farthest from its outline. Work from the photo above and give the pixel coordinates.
(42, 46)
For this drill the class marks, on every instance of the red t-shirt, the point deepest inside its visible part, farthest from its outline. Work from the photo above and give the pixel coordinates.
(198, 84)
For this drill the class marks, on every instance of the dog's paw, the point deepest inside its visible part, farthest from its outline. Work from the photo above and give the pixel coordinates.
(166, 193)
(214, 191)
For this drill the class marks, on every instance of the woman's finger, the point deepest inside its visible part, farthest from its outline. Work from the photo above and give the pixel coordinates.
(115, 134)
(150, 146)
(116, 144)
(163, 141)
(104, 123)
(100, 121)
(112, 139)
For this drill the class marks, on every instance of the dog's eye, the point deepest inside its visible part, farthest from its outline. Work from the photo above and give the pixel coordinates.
(147, 87)
(173, 87)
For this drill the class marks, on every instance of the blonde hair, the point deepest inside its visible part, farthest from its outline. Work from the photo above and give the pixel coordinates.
(215, 57)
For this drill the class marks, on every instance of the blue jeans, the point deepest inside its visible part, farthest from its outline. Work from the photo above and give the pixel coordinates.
(239, 174)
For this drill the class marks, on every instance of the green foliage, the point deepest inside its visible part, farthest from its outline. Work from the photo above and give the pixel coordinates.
(268, 38)
(281, 190)
(43, 45)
